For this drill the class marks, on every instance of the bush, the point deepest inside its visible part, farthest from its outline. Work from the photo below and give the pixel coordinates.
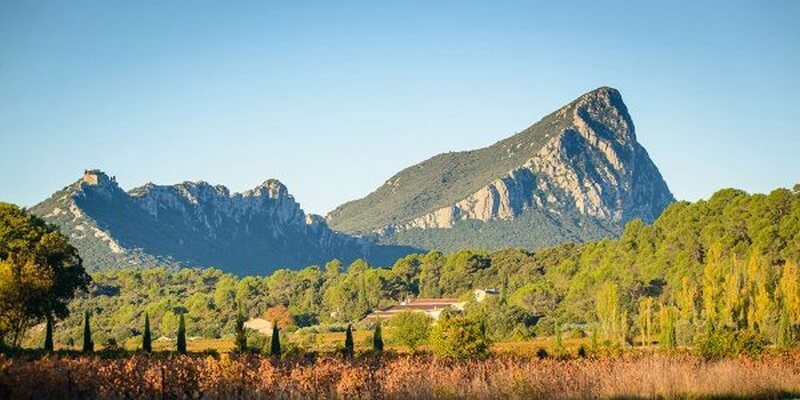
(723, 344)
(457, 337)
(411, 329)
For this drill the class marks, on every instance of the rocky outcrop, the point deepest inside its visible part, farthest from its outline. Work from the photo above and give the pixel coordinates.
(585, 161)
(197, 224)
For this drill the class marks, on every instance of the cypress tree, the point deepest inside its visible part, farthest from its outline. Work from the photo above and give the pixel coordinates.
(348, 342)
(147, 338)
(88, 344)
(275, 343)
(241, 335)
(377, 339)
(181, 335)
(48, 336)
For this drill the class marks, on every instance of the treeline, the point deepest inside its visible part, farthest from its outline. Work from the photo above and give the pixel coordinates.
(734, 255)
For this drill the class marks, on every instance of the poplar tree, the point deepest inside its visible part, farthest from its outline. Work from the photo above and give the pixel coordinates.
(667, 336)
(645, 319)
(608, 310)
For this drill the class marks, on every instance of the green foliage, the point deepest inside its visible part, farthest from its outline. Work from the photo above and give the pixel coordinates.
(88, 343)
(39, 273)
(377, 339)
(457, 337)
(727, 343)
(349, 346)
(181, 341)
(240, 334)
(411, 329)
(147, 338)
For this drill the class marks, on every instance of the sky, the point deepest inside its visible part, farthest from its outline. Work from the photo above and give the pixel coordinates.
(333, 98)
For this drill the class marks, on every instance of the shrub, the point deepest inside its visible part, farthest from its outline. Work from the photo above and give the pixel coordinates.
(411, 329)
(721, 344)
(457, 337)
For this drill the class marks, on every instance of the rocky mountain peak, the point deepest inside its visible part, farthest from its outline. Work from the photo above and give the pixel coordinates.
(581, 161)
(271, 188)
(96, 177)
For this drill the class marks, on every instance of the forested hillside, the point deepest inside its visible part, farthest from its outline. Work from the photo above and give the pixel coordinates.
(730, 261)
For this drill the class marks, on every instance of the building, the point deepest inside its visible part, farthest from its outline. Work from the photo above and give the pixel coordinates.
(432, 307)
(259, 325)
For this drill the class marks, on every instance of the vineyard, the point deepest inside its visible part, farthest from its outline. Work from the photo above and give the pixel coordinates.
(403, 377)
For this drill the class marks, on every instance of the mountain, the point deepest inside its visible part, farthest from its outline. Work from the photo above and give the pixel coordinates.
(197, 224)
(578, 174)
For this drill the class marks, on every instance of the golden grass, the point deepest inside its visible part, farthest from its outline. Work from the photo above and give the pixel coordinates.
(403, 377)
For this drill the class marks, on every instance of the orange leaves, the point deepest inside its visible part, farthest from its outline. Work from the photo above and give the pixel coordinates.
(410, 377)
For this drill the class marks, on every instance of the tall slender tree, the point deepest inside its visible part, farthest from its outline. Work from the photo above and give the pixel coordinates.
(181, 345)
(88, 343)
(48, 335)
(275, 342)
(377, 339)
(147, 337)
(349, 348)
(241, 335)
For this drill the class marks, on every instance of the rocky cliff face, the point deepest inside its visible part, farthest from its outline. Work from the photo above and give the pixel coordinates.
(582, 160)
(197, 224)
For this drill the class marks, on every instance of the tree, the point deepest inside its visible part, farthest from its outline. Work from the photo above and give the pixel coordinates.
(88, 343)
(790, 291)
(457, 337)
(348, 342)
(275, 342)
(241, 335)
(39, 273)
(558, 346)
(645, 319)
(411, 328)
(48, 336)
(181, 342)
(147, 339)
(667, 338)
(377, 339)
(280, 315)
(608, 311)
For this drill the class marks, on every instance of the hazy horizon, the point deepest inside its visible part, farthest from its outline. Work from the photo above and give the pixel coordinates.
(332, 100)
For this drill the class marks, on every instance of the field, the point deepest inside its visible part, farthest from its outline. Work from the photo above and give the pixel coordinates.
(397, 377)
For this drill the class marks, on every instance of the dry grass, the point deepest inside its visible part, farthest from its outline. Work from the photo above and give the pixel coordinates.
(251, 376)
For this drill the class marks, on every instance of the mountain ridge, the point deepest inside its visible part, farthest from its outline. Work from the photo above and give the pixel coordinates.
(197, 224)
(581, 159)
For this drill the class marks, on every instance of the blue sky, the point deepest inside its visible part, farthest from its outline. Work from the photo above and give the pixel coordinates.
(332, 98)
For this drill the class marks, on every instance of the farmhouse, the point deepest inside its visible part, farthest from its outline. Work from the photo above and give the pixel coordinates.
(432, 307)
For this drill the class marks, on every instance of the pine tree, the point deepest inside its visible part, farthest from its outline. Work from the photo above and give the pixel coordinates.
(181, 345)
(348, 342)
(88, 344)
(48, 335)
(377, 339)
(275, 343)
(241, 335)
(147, 338)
